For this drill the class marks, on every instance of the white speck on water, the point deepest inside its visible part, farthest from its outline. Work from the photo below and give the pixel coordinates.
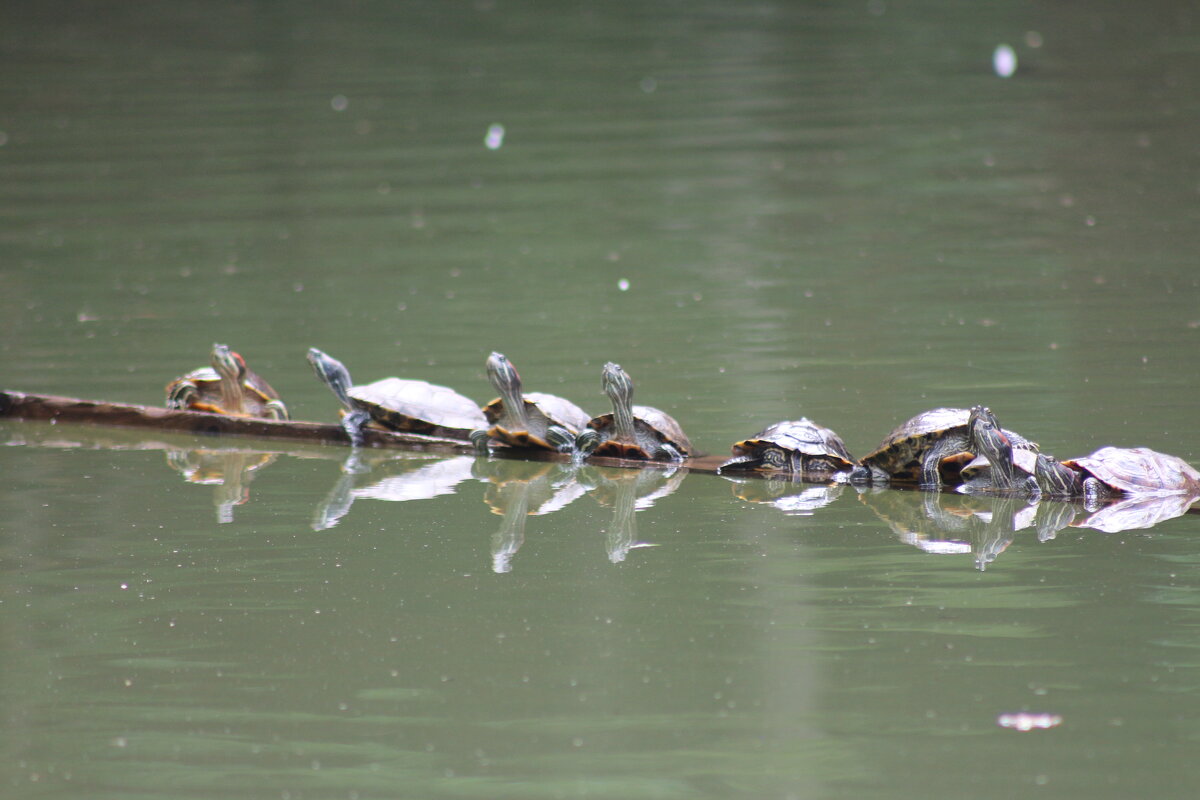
(1026, 721)
(495, 136)
(1004, 61)
(623, 284)
(339, 102)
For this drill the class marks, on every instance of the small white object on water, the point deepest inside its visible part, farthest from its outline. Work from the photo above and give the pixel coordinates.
(495, 136)
(1025, 721)
(339, 102)
(623, 284)
(1004, 61)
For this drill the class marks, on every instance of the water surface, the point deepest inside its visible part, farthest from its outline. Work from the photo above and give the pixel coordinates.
(761, 211)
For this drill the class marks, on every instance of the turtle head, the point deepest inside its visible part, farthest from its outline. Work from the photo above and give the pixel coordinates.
(505, 379)
(333, 374)
(227, 363)
(617, 384)
(1056, 479)
(619, 388)
(989, 441)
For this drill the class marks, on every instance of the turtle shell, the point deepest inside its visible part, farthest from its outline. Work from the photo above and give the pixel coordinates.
(901, 451)
(651, 428)
(802, 436)
(542, 410)
(403, 404)
(1139, 470)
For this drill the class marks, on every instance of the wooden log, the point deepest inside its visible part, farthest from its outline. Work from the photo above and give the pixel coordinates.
(56, 409)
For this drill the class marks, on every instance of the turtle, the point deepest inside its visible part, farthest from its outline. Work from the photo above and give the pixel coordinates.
(227, 387)
(1116, 471)
(533, 420)
(397, 404)
(799, 446)
(633, 432)
(915, 451)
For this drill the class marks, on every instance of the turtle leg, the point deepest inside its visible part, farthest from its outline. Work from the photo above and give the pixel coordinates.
(670, 451)
(861, 475)
(481, 439)
(930, 477)
(586, 443)
(181, 395)
(1095, 493)
(276, 410)
(1031, 489)
(560, 439)
(353, 424)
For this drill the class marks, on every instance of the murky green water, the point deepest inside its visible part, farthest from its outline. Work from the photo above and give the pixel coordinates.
(761, 211)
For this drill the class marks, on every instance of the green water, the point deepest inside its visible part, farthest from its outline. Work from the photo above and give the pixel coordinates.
(761, 211)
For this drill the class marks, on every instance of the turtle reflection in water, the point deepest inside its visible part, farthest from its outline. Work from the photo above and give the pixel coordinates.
(798, 447)
(518, 490)
(397, 404)
(228, 471)
(792, 497)
(420, 477)
(227, 387)
(632, 432)
(527, 420)
(1133, 512)
(936, 442)
(954, 524)
(628, 491)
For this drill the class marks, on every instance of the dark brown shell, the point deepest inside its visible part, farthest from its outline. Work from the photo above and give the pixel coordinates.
(800, 436)
(901, 452)
(542, 411)
(256, 392)
(651, 427)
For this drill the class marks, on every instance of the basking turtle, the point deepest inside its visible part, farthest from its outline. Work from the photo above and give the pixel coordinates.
(1115, 471)
(800, 446)
(915, 451)
(397, 404)
(634, 432)
(227, 387)
(534, 419)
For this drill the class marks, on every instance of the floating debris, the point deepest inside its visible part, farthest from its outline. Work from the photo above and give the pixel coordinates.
(495, 136)
(1026, 721)
(1004, 61)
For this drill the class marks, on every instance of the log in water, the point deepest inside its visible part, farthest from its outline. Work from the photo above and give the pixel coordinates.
(52, 408)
